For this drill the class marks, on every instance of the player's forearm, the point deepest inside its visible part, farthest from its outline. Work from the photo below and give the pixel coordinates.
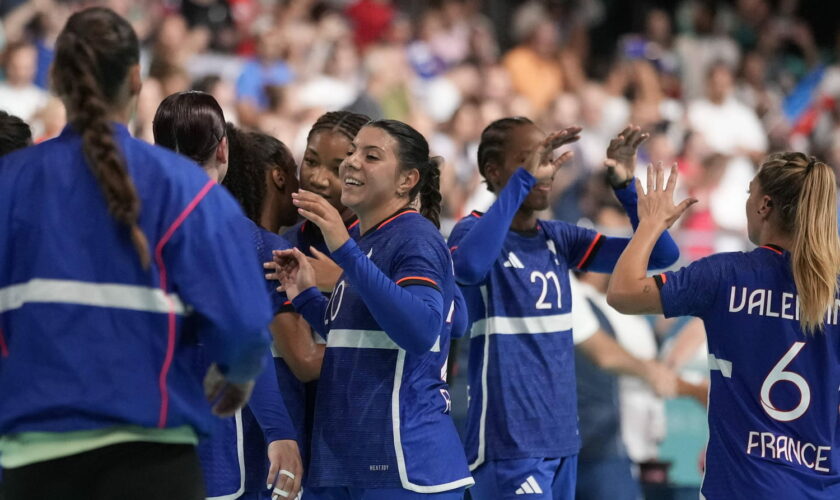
(267, 405)
(293, 340)
(478, 249)
(630, 290)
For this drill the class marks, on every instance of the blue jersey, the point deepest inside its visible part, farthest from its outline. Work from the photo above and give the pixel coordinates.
(382, 414)
(303, 236)
(773, 402)
(234, 459)
(521, 372)
(108, 334)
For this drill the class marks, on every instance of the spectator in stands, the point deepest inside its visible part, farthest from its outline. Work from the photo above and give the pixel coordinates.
(18, 94)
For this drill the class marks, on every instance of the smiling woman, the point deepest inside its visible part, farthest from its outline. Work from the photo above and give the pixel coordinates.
(385, 328)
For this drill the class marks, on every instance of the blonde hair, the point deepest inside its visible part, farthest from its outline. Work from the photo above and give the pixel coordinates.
(804, 196)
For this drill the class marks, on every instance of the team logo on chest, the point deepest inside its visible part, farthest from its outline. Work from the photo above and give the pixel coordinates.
(513, 261)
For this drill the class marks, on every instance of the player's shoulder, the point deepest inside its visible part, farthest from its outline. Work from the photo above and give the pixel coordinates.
(466, 222)
(293, 233)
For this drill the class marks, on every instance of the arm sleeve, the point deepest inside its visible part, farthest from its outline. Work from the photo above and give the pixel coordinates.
(210, 262)
(692, 290)
(459, 317)
(312, 305)
(267, 405)
(590, 251)
(268, 242)
(412, 314)
(474, 252)
(665, 252)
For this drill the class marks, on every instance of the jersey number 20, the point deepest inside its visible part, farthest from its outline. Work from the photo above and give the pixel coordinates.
(779, 374)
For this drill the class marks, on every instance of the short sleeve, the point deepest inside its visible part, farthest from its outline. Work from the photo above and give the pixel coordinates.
(578, 244)
(269, 243)
(692, 290)
(584, 321)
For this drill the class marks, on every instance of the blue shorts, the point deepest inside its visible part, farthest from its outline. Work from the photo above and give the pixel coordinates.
(340, 493)
(535, 478)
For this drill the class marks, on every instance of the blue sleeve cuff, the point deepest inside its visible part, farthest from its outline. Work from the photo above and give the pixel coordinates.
(305, 297)
(627, 194)
(343, 253)
(524, 178)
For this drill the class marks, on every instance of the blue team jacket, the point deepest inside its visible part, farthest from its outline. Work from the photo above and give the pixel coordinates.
(88, 338)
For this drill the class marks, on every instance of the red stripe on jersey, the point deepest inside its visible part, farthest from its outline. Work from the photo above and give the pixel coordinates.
(421, 278)
(768, 247)
(354, 224)
(172, 333)
(287, 303)
(664, 278)
(4, 350)
(589, 250)
(452, 249)
(475, 214)
(380, 226)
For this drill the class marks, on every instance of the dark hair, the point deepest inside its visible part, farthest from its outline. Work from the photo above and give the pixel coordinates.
(93, 55)
(344, 122)
(491, 148)
(14, 133)
(190, 123)
(414, 154)
(251, 155)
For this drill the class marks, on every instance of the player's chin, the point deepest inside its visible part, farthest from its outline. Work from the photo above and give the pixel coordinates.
(537, 201)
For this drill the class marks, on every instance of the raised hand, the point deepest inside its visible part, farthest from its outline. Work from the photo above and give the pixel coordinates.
(621, 155)
(539, 162)
(292, 269)
(318, 210)
(656, 206)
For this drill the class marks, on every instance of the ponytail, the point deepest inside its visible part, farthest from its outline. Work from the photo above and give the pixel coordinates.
(803, 189)
(430, 198)
(93, 55)
(815, 255)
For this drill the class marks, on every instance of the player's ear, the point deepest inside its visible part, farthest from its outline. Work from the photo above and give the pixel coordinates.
(766, 206)
(492, 175)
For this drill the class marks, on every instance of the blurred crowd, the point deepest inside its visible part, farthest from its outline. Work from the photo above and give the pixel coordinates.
(718, 84)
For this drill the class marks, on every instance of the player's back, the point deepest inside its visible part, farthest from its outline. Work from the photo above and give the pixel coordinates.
(773, 406)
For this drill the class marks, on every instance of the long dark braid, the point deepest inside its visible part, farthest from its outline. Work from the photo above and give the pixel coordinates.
(93, 55)
(491, 148)
(344, 122)
(414, 154)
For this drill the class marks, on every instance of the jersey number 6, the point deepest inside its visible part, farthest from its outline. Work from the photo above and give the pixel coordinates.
(778, 374)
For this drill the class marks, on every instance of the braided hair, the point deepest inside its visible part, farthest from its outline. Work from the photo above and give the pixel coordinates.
(93, 55)
(346, 123)
(14, 133)
(413, 153)
(252, 154)
(491, 148)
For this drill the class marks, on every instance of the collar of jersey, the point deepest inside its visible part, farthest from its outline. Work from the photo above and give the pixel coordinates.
(119, 130)
(774, 248)
(398, 213)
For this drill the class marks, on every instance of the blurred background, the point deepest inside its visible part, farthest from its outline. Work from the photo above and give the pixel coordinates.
(718, 84)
